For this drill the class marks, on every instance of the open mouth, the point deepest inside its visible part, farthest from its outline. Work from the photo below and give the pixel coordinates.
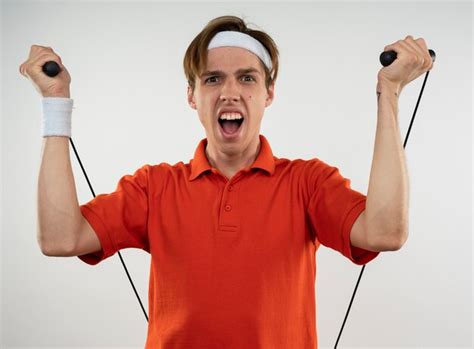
(230, 127)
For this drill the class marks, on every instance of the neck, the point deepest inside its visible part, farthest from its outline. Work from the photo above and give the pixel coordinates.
(230, 163)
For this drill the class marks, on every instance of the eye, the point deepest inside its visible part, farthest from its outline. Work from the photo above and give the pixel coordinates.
(209, 79)
(248, 76)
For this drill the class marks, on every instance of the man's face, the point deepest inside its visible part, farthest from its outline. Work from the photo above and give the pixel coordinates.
(232, 86)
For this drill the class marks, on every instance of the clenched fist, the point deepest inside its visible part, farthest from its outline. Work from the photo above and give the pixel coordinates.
(57, 86)
(413, 59)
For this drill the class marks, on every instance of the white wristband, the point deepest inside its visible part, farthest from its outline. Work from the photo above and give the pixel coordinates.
(57, 115)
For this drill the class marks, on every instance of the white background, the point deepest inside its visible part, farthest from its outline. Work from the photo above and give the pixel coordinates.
(129, 94)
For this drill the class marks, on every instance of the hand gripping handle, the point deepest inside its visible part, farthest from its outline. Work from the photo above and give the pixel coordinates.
(387, 57)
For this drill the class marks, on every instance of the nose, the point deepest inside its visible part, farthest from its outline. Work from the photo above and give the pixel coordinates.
(230, 91)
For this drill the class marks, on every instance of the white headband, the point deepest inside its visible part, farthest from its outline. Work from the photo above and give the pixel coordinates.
(238, 39)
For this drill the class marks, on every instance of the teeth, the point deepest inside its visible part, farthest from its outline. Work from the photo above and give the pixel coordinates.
(230, 116)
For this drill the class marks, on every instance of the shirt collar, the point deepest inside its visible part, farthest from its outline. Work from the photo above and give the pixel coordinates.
(264, 160)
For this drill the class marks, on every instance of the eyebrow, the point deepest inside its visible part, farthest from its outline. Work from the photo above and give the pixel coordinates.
(237, 72)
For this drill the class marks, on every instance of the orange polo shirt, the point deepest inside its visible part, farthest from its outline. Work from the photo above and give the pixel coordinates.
(232, 261)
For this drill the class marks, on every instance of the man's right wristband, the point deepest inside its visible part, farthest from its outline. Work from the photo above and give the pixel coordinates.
(57, 115)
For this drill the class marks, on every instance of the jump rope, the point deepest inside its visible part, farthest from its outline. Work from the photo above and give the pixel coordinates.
(386, 58)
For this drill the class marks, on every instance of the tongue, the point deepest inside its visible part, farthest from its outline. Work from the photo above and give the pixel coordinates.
(230, 126)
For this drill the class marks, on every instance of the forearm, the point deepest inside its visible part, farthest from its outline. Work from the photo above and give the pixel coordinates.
(58, 207)
(387, 196)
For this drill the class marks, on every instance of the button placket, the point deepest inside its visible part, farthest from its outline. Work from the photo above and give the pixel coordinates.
(228, 220)
(228, 197)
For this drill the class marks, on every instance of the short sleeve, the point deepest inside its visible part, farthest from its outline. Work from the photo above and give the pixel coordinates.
(120, 218)
(333, 209)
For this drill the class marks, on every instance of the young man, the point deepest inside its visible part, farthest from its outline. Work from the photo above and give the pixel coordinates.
(233, 233)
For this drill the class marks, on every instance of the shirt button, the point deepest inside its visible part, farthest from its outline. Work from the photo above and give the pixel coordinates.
(230, 188)
(228, 208)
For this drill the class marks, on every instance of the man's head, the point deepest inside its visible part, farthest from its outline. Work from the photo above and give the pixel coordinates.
(230, 78)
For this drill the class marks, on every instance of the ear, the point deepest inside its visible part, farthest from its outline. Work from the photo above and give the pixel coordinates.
(191, 101)
(270, 94)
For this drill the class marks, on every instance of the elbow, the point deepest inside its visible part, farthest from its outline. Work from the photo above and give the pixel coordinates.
(50, 251)
(47, 251)
(44, 247)
(390, 242)
(397, 242)
(55, 248)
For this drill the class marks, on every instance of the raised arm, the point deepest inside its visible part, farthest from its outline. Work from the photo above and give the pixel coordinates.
(61, 228)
